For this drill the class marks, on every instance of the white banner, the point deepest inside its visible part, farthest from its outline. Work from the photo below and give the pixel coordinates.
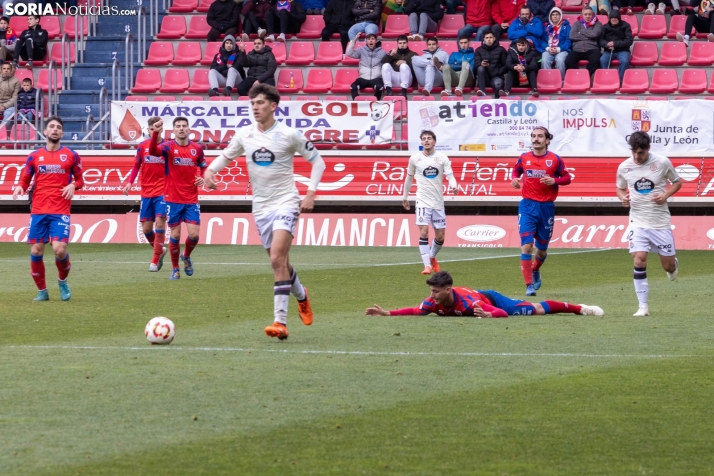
(359, 122)
(580, 126)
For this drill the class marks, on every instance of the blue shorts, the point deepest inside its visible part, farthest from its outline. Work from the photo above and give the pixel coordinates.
(48, 227)
(513, 307)
(178, 213)
(535, 222)
(151, 208)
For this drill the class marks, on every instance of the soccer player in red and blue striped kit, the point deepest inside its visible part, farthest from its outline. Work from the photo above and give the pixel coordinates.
(542, 173)
(58, 174)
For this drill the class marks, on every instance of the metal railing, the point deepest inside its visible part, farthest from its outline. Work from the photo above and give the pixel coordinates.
(141, 34)
(154, 14)
(53, 93)
(116, 80)
(39, 111)
(128, 62)
(79, 38)
(66, 60)
(104, 115)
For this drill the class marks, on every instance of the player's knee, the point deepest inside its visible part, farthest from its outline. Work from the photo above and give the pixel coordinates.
(278, 262)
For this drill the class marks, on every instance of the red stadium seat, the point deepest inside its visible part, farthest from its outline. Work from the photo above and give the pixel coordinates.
(69, 27)
(286, 98)
(211, 50)
(284, 83)
(388, 45)
(628, 98)
(204, 5)
(676, 25)
(605, 81)
(136, 98)
(183, 6)
(49, 23)
(329, 53)
(173, 27)
(56, 53)
(674, 53)
(220, 98)
(198, 28)
(343, 79)
(636, 81)
(396, 25)
(449, 26)
(188, 53)
(694, 81)
(44, 77)
(572, 18)
(449, 46)
(191, 98)
(400, 105)
(199, 85)
(539, 98)
(685, 98)
(664, 81)
(570, 8)
(22, 73)
(657, 98)
(312, 27)
(644, 53)
(366, 98)
(161, 53)
(307, 98)
(423, 98)
(147, 81)
(576, 81)
(701, 54)
(175, 81)
(349, 61)
(278, 51)
(653, 26)
(319, 80)
(632, 20)
(337, 98)
(163, 98)
(302, 53)
(549, 80)
(417, 46)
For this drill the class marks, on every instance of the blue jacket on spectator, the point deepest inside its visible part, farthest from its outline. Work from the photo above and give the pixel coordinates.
(26, 100)
(458, 57)
(532, 31)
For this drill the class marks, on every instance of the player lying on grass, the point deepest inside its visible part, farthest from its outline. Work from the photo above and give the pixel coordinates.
(446, 300)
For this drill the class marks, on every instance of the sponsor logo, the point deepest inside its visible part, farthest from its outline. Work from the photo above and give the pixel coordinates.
(664, 247)
(372, 133)
(51, 169)
(150, 159)
(535, 173)
(687, 172)
(65, 218)
(184, 162)
(263, 157)
(474, 147)
(710, 234)
(431, 172)
(644, 185)
(480, 233)
(429, 116)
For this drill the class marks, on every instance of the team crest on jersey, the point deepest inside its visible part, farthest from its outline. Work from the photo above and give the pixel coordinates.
(431, 172)
(63, 157)
(193, 152)
(548, 163)
(653, 167)
(263, 157)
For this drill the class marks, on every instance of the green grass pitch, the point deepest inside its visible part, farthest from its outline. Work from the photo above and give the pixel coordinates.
(82, 392)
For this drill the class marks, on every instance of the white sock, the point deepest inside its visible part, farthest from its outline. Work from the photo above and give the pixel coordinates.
(642, 287)
(281, 297)
(435, 247)
(296, 287)
(424, 250)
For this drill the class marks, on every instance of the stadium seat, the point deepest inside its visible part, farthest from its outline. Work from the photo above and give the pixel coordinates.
(302, 53)
(164, 98)
(337, 98)
(183, 6)
(605, 81)
(48, 22)
(511, 98)
(694, 81)
(191, 98)
(539, 98)
(449, 46)
(198, 28)
(283, 82)
(674, 53)
(278, 51)
(136, 98)
(286, 98)
(148, 80)
(388, 45)
(43, 80)
(449, 26)
(329, 53)
(417, 46)
(210, 52)
(653, 26)
(685, 98)
(636, 81)
(204, 5)
(570, 8)
(307, 98)
(576, 81)
(644, 53)
(311, 27)
(457, 98)
(69, 27)
(423, 98)
(400, 106)
(319, 80)
(632, 20)
(676, 25)
(22, 132)
(175, 81)
(220, 98)
(199, 85)
(664, 81)
(628, 98)
(22, 73)
(244, 98)
(366, 98)
(549, 80)
(173, 27)
(188, 53)
(701, 54)
(349, 61)
(343, 79)
(161, 53)
(656, 98)
(572, 18)
(56, 52)
(396, 25)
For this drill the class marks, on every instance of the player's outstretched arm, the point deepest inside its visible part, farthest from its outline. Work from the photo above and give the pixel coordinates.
(154, 148)
(407, 311)
(376, 311)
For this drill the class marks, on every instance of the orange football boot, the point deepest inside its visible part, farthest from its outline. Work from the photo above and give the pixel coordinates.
(277, 330)
(435, 265)
(305, 311)
(427, 270)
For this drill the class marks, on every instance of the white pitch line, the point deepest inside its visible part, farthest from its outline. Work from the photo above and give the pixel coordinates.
(345, 352)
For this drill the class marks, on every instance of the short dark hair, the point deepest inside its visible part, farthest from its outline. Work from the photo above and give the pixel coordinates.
(27, 80)
(441, 279)
(270, 92)
(36, 17)
(489, 33)
(55, 119)
(522, 41)
(5, 18)
(433, 38)
(465, 37)
(261, 39)
(371, 34)
(526, 7)
(402, 38)
(639, 140)
(429, 133)
(153, 120)
(179, 119)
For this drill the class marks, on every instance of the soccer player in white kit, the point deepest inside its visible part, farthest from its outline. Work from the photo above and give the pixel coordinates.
(269, 147)
(429, 167)
(642, 186)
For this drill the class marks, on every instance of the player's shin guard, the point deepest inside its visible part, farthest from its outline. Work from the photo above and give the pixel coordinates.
(174, 251)
(424, 251)
(189, 245)
(37, 271)
(150, 236)
(435, 247)
(539, 262)
(642, 287)
(296, 287)
(281, 297)
(527, 268)
(556, 307)
(63, 267)
(159, 239)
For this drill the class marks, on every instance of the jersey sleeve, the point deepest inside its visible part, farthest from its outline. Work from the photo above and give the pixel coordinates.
(201, 161)
(670, 173)
(234, 150)
(621, 180)
(518, 168)
(27, 172)
(77, 172)
(447, 167)
(304, 147)
(411, 168)
(428, 306)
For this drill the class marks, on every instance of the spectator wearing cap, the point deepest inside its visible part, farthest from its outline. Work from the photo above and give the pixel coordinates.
(616, 41)
(370, 65)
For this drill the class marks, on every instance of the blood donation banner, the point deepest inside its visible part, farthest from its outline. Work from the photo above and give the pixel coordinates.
(213, 122)
(580, 126)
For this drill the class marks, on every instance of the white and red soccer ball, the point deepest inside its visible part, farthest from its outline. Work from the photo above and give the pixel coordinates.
(160, 331)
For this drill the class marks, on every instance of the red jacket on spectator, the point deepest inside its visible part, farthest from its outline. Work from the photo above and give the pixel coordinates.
(505, 11)
(478, 12)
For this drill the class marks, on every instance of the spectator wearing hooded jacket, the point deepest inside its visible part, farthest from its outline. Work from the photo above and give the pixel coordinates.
(225, 68)
(338, 19)
(584, 36)
(459, 69)
(261, 66)
(541, 9)
(478, 20)
(615, 41)
(285, 17)
(223, 18)
(557, 42)
(8, 39)
(424, 17)
(427, 75)
(397, 67)
(522, 66)
(503, 13)
(370, 65)
(490, 60)
(254, 12)
(528, 26)
(32, 43)
(367, 14)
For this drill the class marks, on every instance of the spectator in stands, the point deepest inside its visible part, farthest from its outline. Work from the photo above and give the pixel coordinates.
(392, 7)
(313, 7)
(254, 13)
(426, 73)
(451, 6)
(223, 18)
(503, 13)
(557, 39)
(478, 20)
(459, 69)
(528, 26)
(522, 66)
(584, 36)
(338, 19)
(424, 17)
(26, 100)
(9, 89)
(287, 15)
(491, 60)
(541, 9)
(652, 9)
(367, 14)
(370, 65)
(703, 22)
(261, 66)
(616, 41)
(225, 69)
(8, 39)
(32, 43)
(397, 67)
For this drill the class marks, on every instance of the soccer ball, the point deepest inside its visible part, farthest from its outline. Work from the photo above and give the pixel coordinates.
(160, 331)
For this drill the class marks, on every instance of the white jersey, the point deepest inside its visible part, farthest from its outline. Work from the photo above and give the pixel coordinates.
(644, 181)
(429, 171)
(269, 156)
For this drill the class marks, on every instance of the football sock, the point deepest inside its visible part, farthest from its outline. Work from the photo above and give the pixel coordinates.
(527, 268)
(555, 307)
(296, 287)
(539, 262)
(189, 245)
(281, 297)
(158, 245)
(150, 237)
(424, 250)
(642, 287)
(175, 251)
(435, 247)
(63, 267)
(37, 271)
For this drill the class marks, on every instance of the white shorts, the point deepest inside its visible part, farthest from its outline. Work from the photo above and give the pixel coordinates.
(430, 216)
(280, 219)
(655, 241)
